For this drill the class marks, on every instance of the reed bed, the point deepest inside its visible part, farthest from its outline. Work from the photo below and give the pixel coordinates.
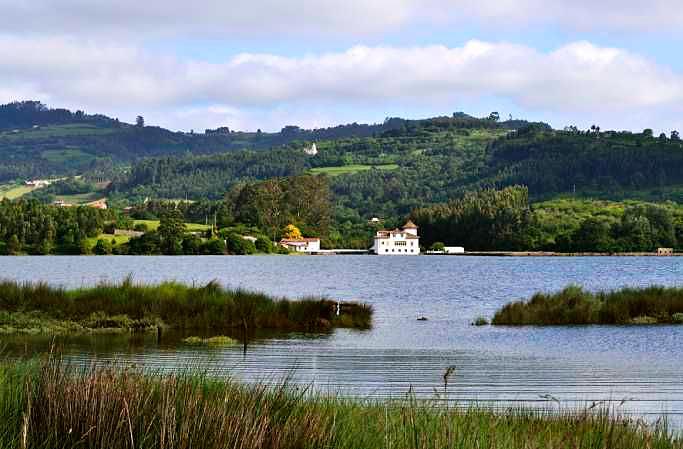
(131, 306)
(47, 405)
(574, 305)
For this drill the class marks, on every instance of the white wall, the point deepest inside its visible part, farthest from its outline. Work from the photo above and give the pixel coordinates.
(397, 246)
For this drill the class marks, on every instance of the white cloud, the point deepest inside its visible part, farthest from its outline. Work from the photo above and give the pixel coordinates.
(203, 17)
(580, 77)
(277, 18)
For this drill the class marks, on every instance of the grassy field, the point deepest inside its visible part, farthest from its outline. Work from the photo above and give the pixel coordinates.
(52, 131)
(70, 156)
(573, 305)
(171, 304)
(14, 191)
(49, 405)
(153, 225)
(80, 198)
(120, 240)
(347, 169)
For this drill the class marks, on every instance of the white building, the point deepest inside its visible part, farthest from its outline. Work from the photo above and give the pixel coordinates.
(454, 250)
(399, 242)
(303, 245)
(312, 150)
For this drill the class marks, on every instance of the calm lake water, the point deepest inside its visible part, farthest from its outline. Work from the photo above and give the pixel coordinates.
(497, 365)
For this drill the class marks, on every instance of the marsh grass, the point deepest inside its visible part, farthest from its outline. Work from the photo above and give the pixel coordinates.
(574, 305)
(48, 405)
(131, 306)
(219, 340)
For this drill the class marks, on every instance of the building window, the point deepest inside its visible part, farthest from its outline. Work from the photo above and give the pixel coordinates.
(402, 243)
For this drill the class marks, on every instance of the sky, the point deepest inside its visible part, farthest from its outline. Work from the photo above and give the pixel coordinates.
(264, 64)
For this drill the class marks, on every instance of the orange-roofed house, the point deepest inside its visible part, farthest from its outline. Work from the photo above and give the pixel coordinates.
(303, 245)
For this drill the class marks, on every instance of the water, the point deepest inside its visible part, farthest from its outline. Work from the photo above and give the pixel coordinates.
(499, 366)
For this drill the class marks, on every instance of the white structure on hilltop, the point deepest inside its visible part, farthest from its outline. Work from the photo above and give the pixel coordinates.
(312, 150)
(303, 245)
(399, 242)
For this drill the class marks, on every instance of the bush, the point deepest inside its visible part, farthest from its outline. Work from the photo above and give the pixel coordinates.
(236, 244)
(573, 305)
(264, 245)
(480, 321)
(109, 228)
(102, 247)
(141, 227)
(214, 247)
(438, 246)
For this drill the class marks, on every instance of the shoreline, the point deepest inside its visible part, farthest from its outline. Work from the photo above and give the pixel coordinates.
(553, 254)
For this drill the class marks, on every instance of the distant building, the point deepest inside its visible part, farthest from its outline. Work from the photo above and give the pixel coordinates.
(398, 242)
(312, 150)
(303, 245)
(61, 203)
(99, 204)
(38, 183)
(665, 251)
(374, 221)
(453, 250)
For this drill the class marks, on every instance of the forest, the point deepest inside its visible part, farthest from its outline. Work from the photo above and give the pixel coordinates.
(504, 220)
(478, 182)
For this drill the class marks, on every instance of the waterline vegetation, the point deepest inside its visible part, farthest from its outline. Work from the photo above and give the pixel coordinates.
(127, 306)
(575, 306)
(48, 405)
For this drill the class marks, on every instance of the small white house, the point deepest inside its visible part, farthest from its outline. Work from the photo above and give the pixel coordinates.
(399, 242)
(312, 150)
(304, 245)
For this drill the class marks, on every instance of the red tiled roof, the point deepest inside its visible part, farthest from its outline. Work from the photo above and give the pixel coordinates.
(302, 240)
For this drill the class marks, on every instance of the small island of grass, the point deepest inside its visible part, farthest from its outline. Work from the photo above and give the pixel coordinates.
(576, 306)
(126, 306)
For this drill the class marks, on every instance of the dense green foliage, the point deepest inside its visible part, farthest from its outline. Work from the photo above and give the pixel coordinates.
(50, 405)
(390, 170)
(485, 220)
(303, 201)
(573, 305)
(32, 227)
(178, 306)
(504, 220)
(551, 162)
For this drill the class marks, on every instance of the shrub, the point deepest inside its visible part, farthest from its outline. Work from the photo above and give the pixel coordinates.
(264, 245)
(438, 246)
(480, 321)
(573, 305)
(236, 244)
(102, 247)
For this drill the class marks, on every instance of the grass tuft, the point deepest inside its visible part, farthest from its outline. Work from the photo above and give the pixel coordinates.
(49, 405)
(574, 305)
(131, 306)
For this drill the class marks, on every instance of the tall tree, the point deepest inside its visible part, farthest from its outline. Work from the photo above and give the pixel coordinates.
(171, 232)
